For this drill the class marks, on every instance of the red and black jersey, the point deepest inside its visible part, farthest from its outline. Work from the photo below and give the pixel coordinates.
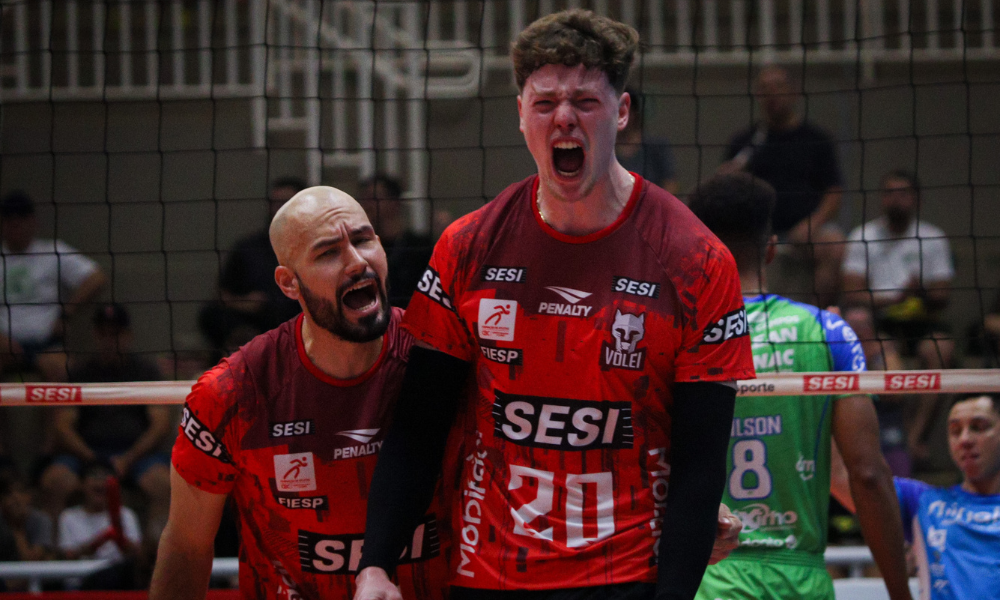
(576, 344)
(296, 449)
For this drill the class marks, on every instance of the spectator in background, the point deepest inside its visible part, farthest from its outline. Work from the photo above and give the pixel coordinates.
(44, 283)
(991, 327)
(408, 252)
(799, 160)
(128, 437)
(652, 158)
(899, 269)
(30, 528)
(249, 303)
(86, 531)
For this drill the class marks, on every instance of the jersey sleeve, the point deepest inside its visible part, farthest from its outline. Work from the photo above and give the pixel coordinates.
(200, 454)
(432, 317)
(717, 346)
(845, 348)
(909, 491)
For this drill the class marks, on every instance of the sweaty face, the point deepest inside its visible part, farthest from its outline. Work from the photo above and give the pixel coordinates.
(570, 117)
(974, 438)
(342, 277)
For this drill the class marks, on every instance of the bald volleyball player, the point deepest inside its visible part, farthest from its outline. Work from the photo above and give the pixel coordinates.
(291, 425)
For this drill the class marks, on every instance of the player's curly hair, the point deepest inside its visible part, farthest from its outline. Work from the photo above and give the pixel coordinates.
(573, 37)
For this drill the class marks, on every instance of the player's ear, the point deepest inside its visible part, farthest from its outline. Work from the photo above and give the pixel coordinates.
(287, 282)
(624, 104)
(520, 114)
(772, 248)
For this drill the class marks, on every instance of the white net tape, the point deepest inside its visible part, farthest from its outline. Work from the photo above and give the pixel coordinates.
(951, 381)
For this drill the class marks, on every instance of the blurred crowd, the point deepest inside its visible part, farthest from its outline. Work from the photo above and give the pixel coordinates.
(890, 277)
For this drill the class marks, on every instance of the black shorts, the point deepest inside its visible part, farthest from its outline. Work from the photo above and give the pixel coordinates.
(620, 591)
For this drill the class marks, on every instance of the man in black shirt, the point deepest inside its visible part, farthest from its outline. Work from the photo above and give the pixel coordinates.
(250, 303)
(406, 251)
(129, 438)
(800, 161)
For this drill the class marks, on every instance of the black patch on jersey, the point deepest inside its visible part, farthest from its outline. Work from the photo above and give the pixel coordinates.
(430, 286)
(340, 554)
(625, 285)
(292, 428)
(732, 325)
(504, 356)
(505, 274)
(562, 424)
(307, 502)
(201, 437)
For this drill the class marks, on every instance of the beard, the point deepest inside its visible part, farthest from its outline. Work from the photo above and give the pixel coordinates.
(330, 315)
(898, 218)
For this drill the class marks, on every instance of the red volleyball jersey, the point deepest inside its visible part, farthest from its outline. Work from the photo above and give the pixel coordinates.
(576, 344)
(296, 449)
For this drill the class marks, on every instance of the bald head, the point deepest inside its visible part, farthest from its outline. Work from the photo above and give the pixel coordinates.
(296, 224)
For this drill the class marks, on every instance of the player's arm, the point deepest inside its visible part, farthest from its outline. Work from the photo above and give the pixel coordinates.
(855, 429)
(701, 419)
(184, 557)
(408, 465)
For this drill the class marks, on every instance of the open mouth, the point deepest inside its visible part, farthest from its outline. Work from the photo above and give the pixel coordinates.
(567, 158)
(361, 295)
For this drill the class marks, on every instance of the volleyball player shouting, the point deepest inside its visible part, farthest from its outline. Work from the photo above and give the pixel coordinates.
(602, 327)
(290, 425)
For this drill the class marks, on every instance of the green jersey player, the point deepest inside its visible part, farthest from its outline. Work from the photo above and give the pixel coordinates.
(779, 450)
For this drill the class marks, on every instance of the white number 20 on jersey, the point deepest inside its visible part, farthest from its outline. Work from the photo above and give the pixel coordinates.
(543, 504)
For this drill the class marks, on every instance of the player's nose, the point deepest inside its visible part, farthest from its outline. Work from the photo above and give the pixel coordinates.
(565, 116)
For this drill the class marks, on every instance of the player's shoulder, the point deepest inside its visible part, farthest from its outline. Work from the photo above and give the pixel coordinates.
(669, 227)
(927, 230)
(513, 200)
(914, 490)
(232, 380)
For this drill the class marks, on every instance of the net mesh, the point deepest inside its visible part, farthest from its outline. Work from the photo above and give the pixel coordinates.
(148, 132)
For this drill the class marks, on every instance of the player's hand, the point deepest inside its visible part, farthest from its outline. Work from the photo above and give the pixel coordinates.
(373, 583)
(727, 538)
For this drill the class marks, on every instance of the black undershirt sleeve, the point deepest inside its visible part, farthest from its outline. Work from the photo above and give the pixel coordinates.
(701, 420)
(410, 458)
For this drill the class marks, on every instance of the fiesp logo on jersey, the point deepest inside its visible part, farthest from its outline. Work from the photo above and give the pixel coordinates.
(53, 394)
(913, 381)
(831, 383)
(341, 554)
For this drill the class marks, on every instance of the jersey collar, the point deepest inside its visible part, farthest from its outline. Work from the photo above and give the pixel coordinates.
(590, 237)
(319, 374)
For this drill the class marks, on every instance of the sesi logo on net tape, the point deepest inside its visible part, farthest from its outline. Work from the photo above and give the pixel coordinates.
(53, 394)
(831, 383)
(913, 381)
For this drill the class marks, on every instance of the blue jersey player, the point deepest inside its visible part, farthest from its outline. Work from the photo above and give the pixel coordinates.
(955, 531)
